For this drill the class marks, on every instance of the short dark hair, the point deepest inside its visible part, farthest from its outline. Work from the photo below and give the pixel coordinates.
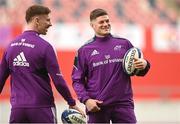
(96, 13)
(36, 10)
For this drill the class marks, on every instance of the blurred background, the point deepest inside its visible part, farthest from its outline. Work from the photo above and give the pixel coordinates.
(152, 25)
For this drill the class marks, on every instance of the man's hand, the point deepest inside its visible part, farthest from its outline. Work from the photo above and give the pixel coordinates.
(78, 109)
(140, 63)
(92, 105)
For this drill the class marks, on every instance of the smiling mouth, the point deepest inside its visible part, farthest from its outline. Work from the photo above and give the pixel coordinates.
(106, 29)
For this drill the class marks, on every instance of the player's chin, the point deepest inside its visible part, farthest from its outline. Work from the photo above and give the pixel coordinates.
(44, 32)
(106, 32)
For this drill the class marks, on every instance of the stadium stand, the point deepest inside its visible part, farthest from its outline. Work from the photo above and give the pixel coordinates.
(132, 11)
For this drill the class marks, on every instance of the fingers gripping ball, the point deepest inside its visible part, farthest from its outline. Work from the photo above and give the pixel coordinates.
(72, 116)
(128, 60)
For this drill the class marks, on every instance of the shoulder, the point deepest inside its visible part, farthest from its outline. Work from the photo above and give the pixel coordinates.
(87, 43)
(120, 38)
(43, 44)
(43, 40)
(122, 41)
(85, 47)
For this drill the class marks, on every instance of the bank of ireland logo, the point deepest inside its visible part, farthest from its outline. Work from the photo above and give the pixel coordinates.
(20, 60)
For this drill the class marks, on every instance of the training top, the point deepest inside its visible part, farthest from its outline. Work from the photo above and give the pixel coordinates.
(31, 61)
(98, 72)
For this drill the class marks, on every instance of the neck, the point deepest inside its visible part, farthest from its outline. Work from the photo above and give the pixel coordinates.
(100, 35)
(30, 27)
(97, 35)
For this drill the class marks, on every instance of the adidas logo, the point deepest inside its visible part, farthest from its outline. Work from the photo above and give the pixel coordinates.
(117, 47)
(20, 60)
(95, 52)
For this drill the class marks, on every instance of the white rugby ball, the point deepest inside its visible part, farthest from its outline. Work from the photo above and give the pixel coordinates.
(72, 116)
(129, 59)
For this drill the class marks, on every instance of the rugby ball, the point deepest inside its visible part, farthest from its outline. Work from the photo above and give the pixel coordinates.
(72, 116)
(128, 60)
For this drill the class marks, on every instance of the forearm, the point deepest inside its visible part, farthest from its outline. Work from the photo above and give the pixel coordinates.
(4, 73)
(80, 91)
(63, 89)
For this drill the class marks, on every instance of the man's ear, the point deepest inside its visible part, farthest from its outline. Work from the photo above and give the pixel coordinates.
(36, 20)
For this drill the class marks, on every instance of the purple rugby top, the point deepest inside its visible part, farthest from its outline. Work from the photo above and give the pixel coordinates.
(30, 60)
(98, 72)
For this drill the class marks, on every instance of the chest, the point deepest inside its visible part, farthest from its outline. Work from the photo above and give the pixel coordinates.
(106, 55)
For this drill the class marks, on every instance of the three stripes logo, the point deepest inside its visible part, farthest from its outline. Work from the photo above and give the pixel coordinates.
(95, 52)
(20, 60)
